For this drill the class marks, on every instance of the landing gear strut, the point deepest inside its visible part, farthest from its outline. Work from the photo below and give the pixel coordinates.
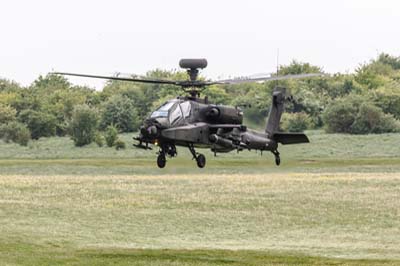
(277, 157)
(165, 149)
(200, 158)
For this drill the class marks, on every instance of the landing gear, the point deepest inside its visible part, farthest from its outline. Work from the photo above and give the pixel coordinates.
(277, 160)
(161, 160)
(277, 157)
(170, 150)
(201, 161)
(165, 149)
(200, 158)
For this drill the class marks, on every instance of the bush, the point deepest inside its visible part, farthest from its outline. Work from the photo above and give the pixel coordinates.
(348, 116)
(111, 135)
(83, 125)
(99, 139)
(339, 116)
(371, 119)
(39, 123)
(15, 132)
(7, 114)
(120, 111)
(295, 122)
(388, 124)
(119, 145)
(388, 98)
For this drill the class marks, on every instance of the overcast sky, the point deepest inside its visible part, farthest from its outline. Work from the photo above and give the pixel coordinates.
(237, 37)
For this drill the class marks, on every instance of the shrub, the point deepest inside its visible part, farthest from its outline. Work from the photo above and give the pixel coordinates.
(83, 125)
(371, 119)
(39, 123)
(388, 98)
(349, 116)
(388, 124)
(111, 135)
(15, 132)
(7, 114)
(119, 145)
(295, 122)
(339, 116)
(99, 139)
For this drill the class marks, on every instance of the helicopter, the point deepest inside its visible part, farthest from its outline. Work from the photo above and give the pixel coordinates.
(194, 122)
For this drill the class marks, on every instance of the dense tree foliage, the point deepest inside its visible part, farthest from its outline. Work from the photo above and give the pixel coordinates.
(7, 114)
(119, 110)
(295, 122)
(357, 115)
(40, 123)
(367, 101)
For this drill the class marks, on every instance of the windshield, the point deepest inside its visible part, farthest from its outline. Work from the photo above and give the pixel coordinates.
(176, 115)
(186, 108)
(163, 110)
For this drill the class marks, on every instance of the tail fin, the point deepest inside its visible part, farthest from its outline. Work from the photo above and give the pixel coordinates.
(276, 110)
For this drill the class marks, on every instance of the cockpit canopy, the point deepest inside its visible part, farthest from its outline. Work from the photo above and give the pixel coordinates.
(163, 110)
(174, 110)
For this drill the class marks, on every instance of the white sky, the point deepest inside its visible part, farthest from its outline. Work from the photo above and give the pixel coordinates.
(237, 37)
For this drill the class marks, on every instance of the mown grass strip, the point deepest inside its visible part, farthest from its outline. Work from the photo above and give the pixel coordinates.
(21, 253)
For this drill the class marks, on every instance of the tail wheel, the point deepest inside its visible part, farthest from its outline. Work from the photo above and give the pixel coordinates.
(161, 161)
(201, 161)
(277, 160)
(277, 157)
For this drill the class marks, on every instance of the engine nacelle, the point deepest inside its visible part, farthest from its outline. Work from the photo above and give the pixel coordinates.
(224, 115)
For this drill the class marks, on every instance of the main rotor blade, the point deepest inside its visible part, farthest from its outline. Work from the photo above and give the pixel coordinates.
(154, 81)
(270, 78)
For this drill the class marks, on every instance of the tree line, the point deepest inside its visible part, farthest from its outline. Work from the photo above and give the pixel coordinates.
(363, 102)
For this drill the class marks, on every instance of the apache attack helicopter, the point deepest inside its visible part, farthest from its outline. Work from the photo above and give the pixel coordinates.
(194, 122)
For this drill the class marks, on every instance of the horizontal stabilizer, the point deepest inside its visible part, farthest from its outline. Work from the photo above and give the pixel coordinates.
(290, 138)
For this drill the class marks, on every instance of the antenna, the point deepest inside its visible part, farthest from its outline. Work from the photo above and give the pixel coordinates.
(277, 66)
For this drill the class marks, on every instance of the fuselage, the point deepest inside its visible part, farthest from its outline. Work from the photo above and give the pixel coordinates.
(182, 121)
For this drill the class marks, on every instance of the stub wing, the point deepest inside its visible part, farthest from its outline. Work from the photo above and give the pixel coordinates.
(226, 126)
(290, 138)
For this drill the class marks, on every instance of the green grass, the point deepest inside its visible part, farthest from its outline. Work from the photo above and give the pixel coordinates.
(326, 146)
(53, 255)
(326, 152)
(346, 215)
(334, 201)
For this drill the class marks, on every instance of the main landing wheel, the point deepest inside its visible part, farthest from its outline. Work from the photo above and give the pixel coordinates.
(161, 161)
(201, 160)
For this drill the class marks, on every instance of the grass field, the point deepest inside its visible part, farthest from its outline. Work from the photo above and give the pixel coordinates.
(332, 202)
(326, 153)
